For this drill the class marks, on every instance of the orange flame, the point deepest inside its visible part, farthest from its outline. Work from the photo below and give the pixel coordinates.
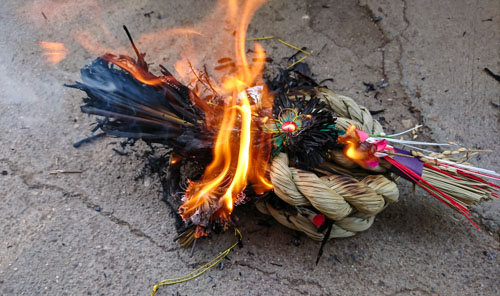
(235, 162)
(352, 142)
(54, 52)
(242, 150)
(355, 150)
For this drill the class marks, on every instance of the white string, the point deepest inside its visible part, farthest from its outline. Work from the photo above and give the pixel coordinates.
(407, 131)
(418, 148)
(408, 142)
(472, 168)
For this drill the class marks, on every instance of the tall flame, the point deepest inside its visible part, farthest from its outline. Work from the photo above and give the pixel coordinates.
(235, 162)
(242, 150)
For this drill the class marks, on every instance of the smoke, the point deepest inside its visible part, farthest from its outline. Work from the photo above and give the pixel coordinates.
(30, 98)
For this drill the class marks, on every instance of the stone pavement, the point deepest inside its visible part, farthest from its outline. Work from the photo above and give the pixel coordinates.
(103, 233)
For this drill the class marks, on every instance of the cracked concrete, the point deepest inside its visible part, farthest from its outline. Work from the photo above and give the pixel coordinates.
(102, 233)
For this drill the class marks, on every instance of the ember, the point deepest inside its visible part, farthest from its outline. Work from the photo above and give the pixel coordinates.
(54, 52)
(356, 149)
(289, 126)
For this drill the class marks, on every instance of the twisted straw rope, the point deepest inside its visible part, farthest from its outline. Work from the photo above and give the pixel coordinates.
(347, 110)
(350, 202)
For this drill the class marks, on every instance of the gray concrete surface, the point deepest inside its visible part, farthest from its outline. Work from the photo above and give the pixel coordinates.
(102, 233)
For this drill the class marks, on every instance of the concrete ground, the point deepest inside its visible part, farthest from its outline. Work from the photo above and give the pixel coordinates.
(102, 233)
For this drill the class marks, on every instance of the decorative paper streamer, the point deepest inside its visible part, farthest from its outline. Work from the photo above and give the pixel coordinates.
(411, 163)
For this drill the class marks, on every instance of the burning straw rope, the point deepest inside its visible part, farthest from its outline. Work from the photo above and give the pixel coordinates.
(321, 190)
(350, 202)
(351, 196)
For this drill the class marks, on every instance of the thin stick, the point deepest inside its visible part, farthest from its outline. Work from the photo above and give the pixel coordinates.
(53, 172)
(476, 150)
(323, 242)
(418, 148)
(207, 79)
(406, 131)
(410, 142)
(132, 41)
(298, 61)
(383, 65)
(294, 47)
(200, 79)
(260, 38)
(87, 140)
(192, 248)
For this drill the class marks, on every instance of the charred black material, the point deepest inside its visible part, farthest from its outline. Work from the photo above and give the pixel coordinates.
(299, 78)
(87, 140)
(173, 120)
(156, 109)
(160, 113)
(306, 147)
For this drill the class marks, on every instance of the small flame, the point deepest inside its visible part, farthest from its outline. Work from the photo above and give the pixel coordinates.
(54, 52)
(363, 153)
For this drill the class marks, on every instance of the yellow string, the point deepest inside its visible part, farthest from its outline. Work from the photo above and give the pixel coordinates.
(298, 61)
(260, 38)
(285, 43)
(199, 271)
(280, 40)
(294, 47)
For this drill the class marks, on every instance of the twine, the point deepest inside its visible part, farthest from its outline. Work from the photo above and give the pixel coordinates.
(201, 270)
(350, 202)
